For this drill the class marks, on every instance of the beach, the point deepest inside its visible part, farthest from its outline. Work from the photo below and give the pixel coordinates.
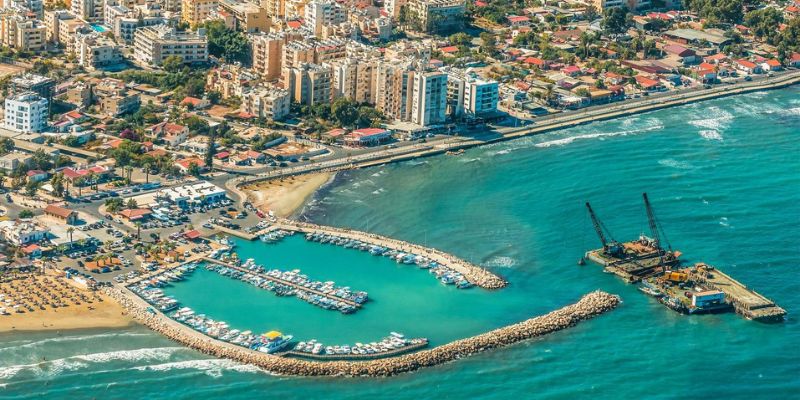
(97, 310)
(286, 195)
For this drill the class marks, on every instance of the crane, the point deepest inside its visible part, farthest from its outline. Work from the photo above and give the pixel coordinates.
(655, 229)
(610, 247)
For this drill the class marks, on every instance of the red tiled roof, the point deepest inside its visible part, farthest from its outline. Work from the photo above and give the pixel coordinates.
(35, 172)
(193, 234)
(134, 213)
(534, 61)
(449, 49)
(746, 64)
(58, 211)
(518, 18)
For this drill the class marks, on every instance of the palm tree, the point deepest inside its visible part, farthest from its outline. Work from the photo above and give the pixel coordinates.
(69, 232)
(146, 168)
(138, 230)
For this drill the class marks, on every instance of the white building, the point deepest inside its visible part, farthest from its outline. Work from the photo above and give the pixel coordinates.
(267, 102)
(429, 98)
(153, 44)
(320, 13)
(22, 232)
(88, 10)
(469, 95)
(193, 193)
(26, 112)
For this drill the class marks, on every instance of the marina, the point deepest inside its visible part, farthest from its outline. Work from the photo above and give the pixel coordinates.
(652, 264)
(292, 283)
(589, 306)
(446, 267)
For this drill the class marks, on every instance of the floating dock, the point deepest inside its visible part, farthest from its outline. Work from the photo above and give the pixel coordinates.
(698, 289)
(282, 282)
(748, 303)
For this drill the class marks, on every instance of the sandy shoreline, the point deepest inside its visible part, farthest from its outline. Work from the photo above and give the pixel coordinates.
(284, 196)
(106, 314)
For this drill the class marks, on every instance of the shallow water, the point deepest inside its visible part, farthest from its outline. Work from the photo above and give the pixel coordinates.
(724, 177)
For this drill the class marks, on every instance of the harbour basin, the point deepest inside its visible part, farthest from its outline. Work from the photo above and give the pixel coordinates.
(402, 297)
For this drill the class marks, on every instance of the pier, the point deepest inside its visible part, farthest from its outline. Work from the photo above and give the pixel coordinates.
(745, 301)
(589, 306)
(282, 282)
(475, 274)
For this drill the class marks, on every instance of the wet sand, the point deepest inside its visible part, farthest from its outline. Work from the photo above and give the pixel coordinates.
(286, 195)
(73, 312)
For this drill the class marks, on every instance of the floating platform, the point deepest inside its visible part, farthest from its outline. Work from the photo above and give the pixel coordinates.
(639, 263)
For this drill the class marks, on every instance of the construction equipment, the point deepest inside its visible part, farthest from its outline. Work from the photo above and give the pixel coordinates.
(656, 230)
(610, 247)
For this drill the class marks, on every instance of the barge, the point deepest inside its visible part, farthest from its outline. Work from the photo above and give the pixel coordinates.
(658, 272)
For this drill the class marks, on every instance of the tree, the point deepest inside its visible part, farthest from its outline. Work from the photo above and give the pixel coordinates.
(31, 187)
(210, 150)
(460, 39)
(172, 64)
(113, 204)
(70, 230)
(26, 214)
(194, 169)
(615, 20)
(146, 167)
(6, 145)
(132, 204)
(488, 44)
(227, 44)
(717, 11)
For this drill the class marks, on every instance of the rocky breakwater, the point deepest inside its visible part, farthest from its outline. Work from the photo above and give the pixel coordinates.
(589, 306)
(475, 274)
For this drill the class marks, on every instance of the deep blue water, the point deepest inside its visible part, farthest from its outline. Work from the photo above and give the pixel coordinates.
(724, 177)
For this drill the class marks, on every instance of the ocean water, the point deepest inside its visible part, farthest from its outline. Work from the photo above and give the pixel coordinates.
(724, 177)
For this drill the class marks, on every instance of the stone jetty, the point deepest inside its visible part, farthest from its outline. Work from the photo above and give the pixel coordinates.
(475, 274)
(589, 306)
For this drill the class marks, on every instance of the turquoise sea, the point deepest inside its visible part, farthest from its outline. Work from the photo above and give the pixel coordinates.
(724, 177)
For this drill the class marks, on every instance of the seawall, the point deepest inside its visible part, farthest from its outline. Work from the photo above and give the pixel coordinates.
(589, 306)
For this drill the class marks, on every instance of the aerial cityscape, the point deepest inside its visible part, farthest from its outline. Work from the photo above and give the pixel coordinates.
(399, 198)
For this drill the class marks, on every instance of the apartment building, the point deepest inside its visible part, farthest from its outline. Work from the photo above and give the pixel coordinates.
(19, 31)
(267, 102)
(437, 15)
(468, 95)
(267, 54)
(244, 15)
(88, 10)
(53, 21)
(195, 12)
(26, 112)
(602, 5)
(308, 84)
(230, 80)
(352, 78)
(155, 43)
(113, 98)
(321, 13)
(429, 98)
(94, 50)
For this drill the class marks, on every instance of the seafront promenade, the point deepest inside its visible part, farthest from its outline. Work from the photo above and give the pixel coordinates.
(475, 274)
(538, 126)
(589, 306)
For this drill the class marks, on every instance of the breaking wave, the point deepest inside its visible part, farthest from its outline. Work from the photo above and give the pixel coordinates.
(61, 365)
(650, 125)
(710, 134)
(672, 163)
(211, 367)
